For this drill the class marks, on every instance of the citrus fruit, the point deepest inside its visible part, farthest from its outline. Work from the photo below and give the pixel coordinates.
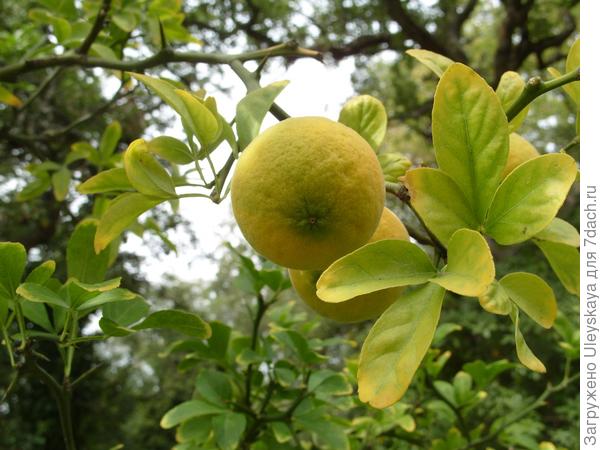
(306, 192)
(363, 307)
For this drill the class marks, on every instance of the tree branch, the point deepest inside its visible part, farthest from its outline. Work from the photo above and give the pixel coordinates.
(96, 28)
(163, 57)
(417, 33)
(536, 87)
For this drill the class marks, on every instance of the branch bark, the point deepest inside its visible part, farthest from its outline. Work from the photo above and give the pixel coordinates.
(163, 57)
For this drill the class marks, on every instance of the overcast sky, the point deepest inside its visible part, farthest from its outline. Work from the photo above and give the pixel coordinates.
(314, 89)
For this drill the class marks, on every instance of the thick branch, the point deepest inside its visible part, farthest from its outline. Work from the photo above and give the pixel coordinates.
(417, 33)
(163, 57)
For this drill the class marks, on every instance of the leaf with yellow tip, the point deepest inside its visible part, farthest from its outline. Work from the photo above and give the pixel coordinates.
(397, 344)
(470, 268)
(524, 353)
(373, 267)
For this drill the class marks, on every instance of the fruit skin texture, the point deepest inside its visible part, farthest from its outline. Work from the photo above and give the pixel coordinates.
(363, 307)
(307, 191)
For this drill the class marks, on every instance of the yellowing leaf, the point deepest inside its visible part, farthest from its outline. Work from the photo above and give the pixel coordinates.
(524, 353)
(509, 88)
(495, 300)
(470, 135)
(529, 198)
(379, 265)
(434, 61)
(519, 151)
(572, 64)
(439, 202)
(561, 232)
(145, 173)
(61, 179)
(112, 180)
(533, 295)
(110, 139)
(9, 98)
(366, 115)
(121, 213)
(564, 260)
(397, 344)
(171, 149)
(204, 124)
(470, 268)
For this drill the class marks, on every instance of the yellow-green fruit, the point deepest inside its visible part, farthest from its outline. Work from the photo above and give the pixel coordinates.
(363, 307)
(306, 192)
(519, 151)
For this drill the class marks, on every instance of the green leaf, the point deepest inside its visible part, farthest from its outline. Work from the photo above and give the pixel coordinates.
(114, 295)
(125, 20)
(126, 313)
(524, 353)
(470, 135)
(529, 198)
(495, 300)
(188, 410)
(83, 262)
(564, 260)
(252, 109)
(41, 294)
(145, 173)
(40, 184)
(203, 123)
(110, 139)
(13, 258)
(121, 213)
(171, 149)
(326, 434)
(434, 61)
(533, 295)
(396, 345)
(520, 150)
(103, 52)
(41, 273)
(281, 431)
(439, 202)
(37, 313)
(561, 232)
(228, 429)
(180, 321)
(197, 429)
(111, 180)
(8, 98)
(366, 115)
(483, 373)
(509, 89)
(112, 328)
(214, 386)
(379, 265)
(470, 268)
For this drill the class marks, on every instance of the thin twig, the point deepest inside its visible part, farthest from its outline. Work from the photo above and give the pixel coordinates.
(99, 24)
(536, 87)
